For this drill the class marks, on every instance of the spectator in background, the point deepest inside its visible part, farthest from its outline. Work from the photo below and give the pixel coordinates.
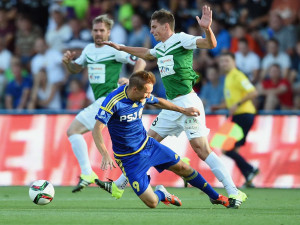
(274, 55)
(118, 34)
(222, 36)
(18, 90)
(240, 31)
(229, 13)
(247, 61)
(44, 94)
(57, 37)
(295, 76)
(287, 9)
(50, 59)
(212, 91)
(7, 30)
(96, 8)
(77, 98)
(5, 58)
(125, 14)
(284, 34)
(80, 8)
(80, 37)
(25, 38)
(140, 35)
(276, 90)
(254, 13)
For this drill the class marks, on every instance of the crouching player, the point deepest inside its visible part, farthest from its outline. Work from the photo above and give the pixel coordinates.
(135, 152)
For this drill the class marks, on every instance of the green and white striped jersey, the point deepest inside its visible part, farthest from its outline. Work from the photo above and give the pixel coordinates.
(104, 66)
(175, 63)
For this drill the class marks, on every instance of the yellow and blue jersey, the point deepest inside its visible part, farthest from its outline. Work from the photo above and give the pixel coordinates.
(123, 118)
(236, 87)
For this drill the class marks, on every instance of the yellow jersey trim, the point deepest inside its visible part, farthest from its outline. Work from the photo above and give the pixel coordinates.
(133, 153)
(114, 100)
(106, 110)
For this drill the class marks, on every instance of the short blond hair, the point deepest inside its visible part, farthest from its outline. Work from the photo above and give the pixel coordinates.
(104, 19)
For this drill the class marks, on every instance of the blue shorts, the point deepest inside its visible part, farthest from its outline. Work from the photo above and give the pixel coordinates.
(245, 121)
(135, 167)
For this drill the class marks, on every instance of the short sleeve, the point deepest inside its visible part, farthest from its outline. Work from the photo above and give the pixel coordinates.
(153, 52)
(81, 60)
(245, 83)
(152, 100)
(189, 41)
(103, 116)
(124, 57)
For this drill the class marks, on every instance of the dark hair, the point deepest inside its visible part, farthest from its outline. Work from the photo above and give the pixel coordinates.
(244, 40)
(164, 16)
(274, 41)
(228, 54)
(140, 78)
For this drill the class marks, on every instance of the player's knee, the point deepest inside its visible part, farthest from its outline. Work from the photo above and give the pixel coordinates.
(70, 131)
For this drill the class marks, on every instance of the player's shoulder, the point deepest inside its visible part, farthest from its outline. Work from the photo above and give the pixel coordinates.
(116, 95)
(89, 46)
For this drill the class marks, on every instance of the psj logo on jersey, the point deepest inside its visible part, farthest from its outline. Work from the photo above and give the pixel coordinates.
(132, 116)
(129, 117)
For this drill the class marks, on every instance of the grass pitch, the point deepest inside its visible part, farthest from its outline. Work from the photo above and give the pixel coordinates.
(95, 206)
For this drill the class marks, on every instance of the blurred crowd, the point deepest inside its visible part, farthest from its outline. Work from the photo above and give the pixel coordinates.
(264, 35)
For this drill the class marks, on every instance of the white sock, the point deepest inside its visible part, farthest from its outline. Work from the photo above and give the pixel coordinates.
(80, 150)
(121, 182)
(222, 174)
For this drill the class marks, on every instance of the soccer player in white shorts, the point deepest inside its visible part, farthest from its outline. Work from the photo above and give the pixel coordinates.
(104, 66)
(174, 54)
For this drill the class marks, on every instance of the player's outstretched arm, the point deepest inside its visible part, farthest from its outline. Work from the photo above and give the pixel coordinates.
(164, 104)
(209, 41)
(139, 65)
(140, 52)
(107, 162)
(70, 64)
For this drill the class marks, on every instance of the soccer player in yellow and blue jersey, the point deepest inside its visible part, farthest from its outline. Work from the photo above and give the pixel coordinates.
(238, 93)
(134, 151)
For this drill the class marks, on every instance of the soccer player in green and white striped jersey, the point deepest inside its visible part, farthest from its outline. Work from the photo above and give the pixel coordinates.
(174, 54)
(104, 65)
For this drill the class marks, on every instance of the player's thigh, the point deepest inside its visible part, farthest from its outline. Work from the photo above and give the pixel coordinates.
(165, 124)
(76, 127)
(87, 115)
(155, 135)
(149, 197)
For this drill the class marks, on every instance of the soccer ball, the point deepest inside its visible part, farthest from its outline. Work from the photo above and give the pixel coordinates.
(41, 192)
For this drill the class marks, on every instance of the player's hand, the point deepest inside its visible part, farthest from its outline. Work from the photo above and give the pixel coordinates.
(206, 19)
(191, 112)
(233, 109)
(107, 163)
(123, 80)
(68, 57)
(111, 44)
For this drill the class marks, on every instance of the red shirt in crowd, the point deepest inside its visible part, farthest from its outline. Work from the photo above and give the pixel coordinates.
(285, 98)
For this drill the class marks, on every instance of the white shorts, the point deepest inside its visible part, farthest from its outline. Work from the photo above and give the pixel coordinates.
(171, 123)
(87, 115)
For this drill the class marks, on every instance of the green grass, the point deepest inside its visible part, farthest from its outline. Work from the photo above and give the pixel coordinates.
(94, 206)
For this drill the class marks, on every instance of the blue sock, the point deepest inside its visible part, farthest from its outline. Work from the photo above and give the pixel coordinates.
(198, 181)
(160, 195)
